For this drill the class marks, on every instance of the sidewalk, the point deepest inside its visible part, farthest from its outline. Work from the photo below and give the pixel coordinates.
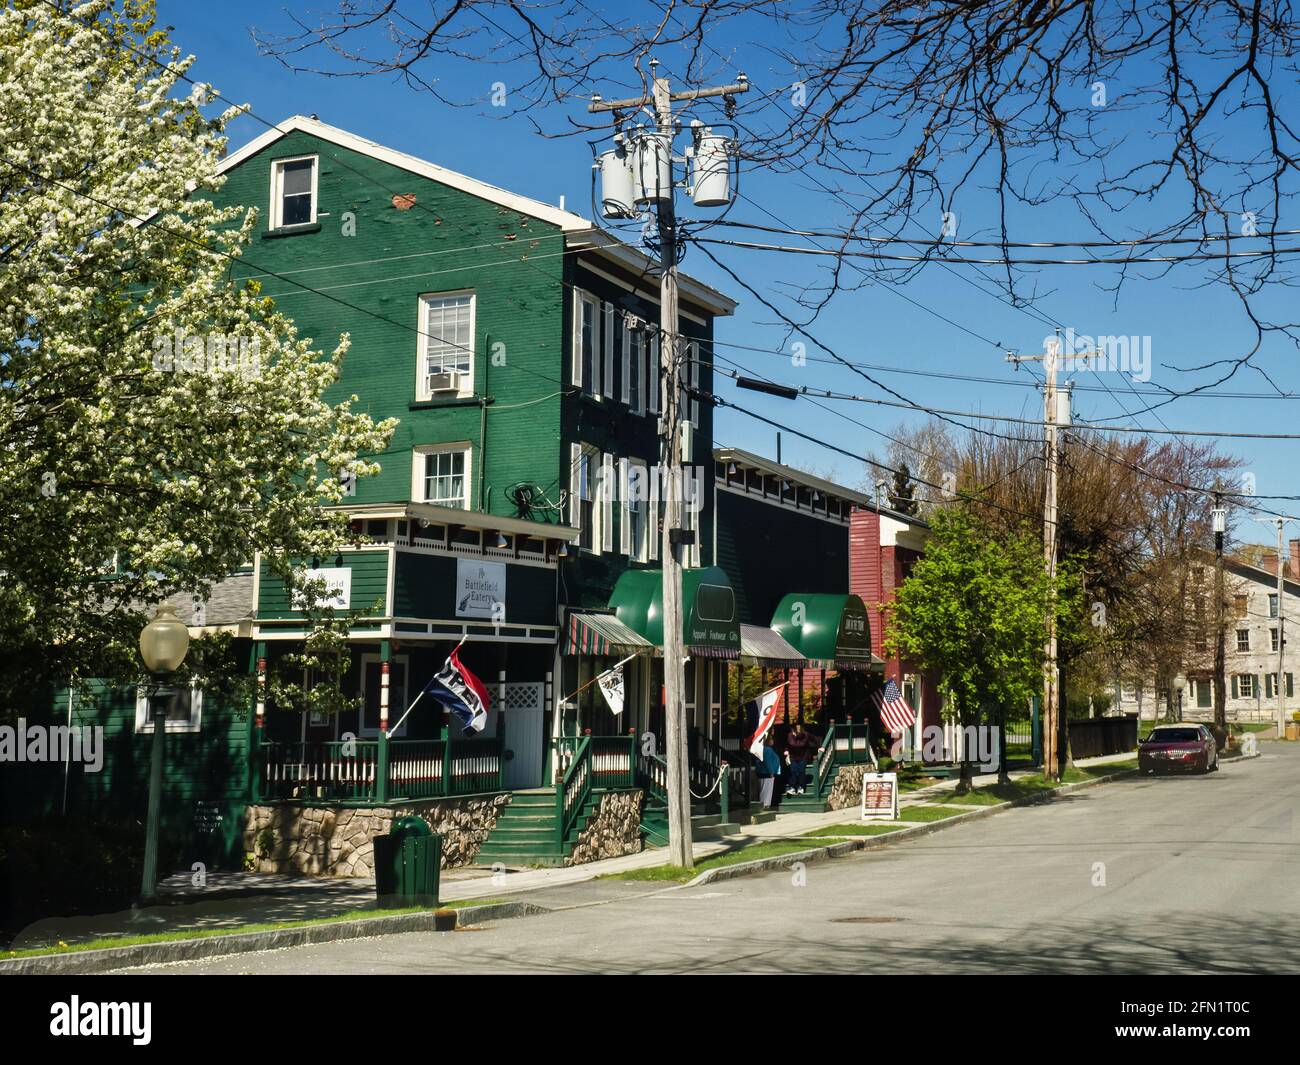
(230, 900)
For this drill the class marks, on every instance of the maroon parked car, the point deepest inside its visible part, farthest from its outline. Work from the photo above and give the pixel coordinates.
(1179, 747)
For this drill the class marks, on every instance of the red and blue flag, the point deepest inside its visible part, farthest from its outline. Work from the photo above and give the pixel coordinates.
(456, 689)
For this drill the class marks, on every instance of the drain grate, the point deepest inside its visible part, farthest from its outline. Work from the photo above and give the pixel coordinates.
(866, 920)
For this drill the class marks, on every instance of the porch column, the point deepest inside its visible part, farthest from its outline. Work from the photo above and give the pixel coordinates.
(385, 658)
(501, 728)
(381, 769)
(255, 770)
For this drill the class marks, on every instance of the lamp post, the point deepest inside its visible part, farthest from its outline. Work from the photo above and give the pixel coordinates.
(163, 645)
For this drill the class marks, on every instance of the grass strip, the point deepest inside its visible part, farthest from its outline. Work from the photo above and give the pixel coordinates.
(677, 874)
(179, 934)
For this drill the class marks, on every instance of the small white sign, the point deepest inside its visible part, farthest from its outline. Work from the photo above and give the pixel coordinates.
(338, 587)
(880, 796)
(480, 589)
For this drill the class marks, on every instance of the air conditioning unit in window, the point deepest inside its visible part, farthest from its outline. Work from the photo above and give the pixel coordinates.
(443, 382)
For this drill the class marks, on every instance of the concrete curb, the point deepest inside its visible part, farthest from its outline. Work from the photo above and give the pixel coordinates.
(866, 843)
(109, 958)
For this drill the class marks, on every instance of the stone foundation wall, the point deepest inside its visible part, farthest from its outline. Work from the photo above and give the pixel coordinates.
(847, 789)
(614, 831)
(335, 841)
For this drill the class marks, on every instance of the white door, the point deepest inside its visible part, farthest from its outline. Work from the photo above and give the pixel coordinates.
(523, 718)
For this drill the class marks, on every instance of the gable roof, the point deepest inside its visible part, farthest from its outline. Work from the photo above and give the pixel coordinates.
(578, 231)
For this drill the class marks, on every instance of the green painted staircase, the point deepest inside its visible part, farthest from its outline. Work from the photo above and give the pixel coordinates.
(525, 832)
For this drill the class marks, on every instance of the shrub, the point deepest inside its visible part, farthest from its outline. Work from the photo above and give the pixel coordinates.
(57, 867)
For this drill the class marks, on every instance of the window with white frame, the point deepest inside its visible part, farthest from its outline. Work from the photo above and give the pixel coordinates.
(634, 367)
(1246, 685)
(446, 362)
(1272, 605)
(1272, 639)
(1243, 639)
(184, 709)
(442, 475)
(586, 343)
(293, 192)
(653, 381)
(585, 511)
(691, 404)
(634, 491)
(690, 520)
(607, 349)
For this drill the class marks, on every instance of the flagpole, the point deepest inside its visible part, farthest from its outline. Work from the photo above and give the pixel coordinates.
(597, 677)
(422, 691)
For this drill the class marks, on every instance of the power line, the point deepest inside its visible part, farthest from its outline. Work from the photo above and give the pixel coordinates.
(944, 242)
(963, 261)
(849, 397)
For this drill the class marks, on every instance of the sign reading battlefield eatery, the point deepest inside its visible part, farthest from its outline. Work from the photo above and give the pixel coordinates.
(480, 589)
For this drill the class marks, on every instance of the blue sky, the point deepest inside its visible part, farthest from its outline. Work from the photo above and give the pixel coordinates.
(880, 325)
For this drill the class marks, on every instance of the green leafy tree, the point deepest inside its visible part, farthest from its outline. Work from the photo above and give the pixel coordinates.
(159, 423)
(310, 679)
(974, 611)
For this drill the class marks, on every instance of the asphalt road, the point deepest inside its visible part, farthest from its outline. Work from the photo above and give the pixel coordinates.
(1201, 875)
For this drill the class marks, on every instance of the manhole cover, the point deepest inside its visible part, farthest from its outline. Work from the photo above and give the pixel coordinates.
(866, 920)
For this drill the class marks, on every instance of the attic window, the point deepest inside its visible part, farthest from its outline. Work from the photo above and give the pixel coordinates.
(293, 192)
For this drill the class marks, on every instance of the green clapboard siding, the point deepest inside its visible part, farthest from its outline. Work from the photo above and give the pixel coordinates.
(449, 241)
(369, 587)
(205, 777)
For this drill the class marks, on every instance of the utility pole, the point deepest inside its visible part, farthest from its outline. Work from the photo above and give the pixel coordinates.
(1281, 637)
(1280, 681)
(675, 539)
(1053, 732)
(1220, 515)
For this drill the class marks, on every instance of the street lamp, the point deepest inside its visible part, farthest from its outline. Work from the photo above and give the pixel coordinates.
(163, 645)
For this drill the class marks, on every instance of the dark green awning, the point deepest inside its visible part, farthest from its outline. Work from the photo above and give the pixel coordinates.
(831, 629)
(710, 628)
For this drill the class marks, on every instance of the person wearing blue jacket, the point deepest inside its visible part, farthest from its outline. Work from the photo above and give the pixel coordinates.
(769, 768)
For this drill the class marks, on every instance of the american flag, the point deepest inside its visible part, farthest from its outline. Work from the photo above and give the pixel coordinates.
(895, 714)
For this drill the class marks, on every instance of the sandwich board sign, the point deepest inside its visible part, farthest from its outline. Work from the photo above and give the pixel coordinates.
(880, 796)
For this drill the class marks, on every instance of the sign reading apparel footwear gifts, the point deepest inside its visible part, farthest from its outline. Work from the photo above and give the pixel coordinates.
(480, 589)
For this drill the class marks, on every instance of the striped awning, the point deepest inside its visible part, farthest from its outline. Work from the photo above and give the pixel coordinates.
(711, 650)
(602, 634)
(761, 646)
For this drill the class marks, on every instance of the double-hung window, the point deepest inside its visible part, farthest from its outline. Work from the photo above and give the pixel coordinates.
(293, 192)
(1243, 639)
(442, 476)
(634, 355)
(586, 343)
(635, 491)
(446, 362)
(691, 376)
(184, 707)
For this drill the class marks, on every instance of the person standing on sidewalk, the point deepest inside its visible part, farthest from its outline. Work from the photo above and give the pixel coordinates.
(799, 749)
(769, 767)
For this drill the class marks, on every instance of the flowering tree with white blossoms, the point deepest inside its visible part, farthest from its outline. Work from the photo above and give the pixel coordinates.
(159, 423)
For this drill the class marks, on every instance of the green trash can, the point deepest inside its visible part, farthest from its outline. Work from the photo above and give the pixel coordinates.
(407, 861)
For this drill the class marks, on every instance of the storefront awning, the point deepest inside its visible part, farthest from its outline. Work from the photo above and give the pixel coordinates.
(602, 634)
(761, 646)
(832, 630)
(710, 628)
